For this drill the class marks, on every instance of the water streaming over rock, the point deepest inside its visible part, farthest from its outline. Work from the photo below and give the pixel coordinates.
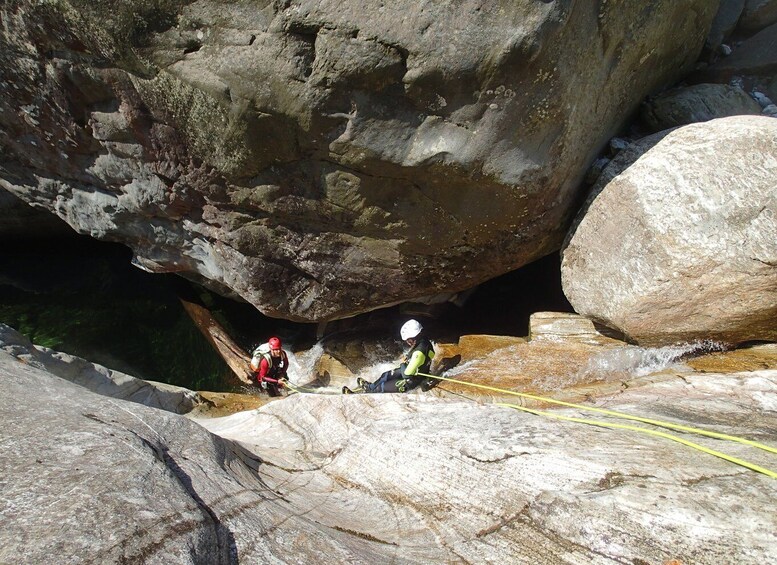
(635, 361)
(609, 365)
(302, 365)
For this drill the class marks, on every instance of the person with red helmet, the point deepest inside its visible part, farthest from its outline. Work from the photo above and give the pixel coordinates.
(270, 363)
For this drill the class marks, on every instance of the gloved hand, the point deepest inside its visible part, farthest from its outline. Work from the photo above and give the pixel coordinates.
(282, 381)
(263, 385)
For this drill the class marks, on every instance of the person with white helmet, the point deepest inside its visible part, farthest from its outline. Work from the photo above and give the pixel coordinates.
(417, 360)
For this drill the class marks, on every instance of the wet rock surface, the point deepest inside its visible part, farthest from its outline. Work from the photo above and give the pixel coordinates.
(481, 483)
(90, 478)
(413, 478)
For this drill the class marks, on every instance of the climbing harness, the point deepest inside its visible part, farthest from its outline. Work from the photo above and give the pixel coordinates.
(625, 416)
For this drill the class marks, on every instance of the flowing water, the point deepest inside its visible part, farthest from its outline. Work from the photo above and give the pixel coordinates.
(83, 297)
(634, 361)
(611, 365)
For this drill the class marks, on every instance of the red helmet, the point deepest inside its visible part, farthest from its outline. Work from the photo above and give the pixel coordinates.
(274, 343)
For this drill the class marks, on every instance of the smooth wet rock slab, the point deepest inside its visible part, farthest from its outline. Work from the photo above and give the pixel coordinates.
(85, 478)
(486, 484)
(382, 478)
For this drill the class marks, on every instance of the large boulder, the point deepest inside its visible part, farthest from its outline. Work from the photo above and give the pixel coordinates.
(725, 23)
(758, 14)
(681, 245)
(755, 58)
(696, 103)
(321, 159)
(456, 481)
(90, 478)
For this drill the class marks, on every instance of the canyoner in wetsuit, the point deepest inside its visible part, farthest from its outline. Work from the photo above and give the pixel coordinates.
(417, 360)
(270, 363)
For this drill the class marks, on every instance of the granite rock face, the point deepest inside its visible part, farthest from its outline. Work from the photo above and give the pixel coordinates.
(90, 478)
(443, 481)
(681, 245)
(697, 103)
(758, 14)
(755, 58)
(321, 159)
(408, 478)
(725, 23)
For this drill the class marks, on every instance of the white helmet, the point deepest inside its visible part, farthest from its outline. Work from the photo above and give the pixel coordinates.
(411, 328)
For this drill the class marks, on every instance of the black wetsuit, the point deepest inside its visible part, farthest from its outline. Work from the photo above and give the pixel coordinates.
(405, 377)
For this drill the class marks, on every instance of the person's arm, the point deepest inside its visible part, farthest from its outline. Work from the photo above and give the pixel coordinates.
(416, 360)
(264, 368)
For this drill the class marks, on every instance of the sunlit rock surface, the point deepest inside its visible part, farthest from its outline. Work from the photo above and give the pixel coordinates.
(322, 159)
(88, 478)
(414, 478)
(459, 481)
(681, 245)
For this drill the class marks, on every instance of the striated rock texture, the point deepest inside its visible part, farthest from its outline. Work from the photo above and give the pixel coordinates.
(89, 478)
(325, 158)
(681, 245)
(384, 479)
(462, 482)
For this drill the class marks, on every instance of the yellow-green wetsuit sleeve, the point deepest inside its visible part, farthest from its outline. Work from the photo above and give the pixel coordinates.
(416, 360)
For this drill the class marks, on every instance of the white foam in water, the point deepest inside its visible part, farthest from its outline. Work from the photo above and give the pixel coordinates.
(613, 365)
(301, 366)
(377, 362)
(635, 361)
(373, 372)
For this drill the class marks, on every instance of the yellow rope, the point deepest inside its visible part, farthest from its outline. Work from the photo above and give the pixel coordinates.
(302, 389)
(622, 415)
(600, 423)
(615, 414)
